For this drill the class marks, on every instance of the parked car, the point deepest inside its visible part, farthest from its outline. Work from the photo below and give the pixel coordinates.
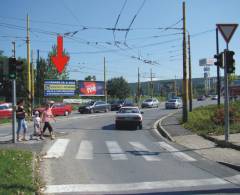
(129, 116)
(128, 103)
(214, 97)
(58, 109)
(173, 103)
(116, 104)
(201, 98)
(94, 106)
(150, 103)
(5, 110)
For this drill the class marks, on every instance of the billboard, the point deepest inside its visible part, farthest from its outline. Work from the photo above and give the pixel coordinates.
(59, 87)
(206, 62)
(91, 88)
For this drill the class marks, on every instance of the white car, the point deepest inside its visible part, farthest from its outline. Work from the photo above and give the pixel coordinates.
(150, 103)
(173, 103)
(129, 116)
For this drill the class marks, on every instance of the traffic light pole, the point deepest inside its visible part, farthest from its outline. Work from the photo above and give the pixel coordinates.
(226, 99)
(218, 72)
(14, 102)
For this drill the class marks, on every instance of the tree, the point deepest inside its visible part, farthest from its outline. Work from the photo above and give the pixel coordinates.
(118, 88)
(90, 78)
(51, 71)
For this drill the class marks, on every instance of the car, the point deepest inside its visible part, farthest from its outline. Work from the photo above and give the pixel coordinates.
(58, 109)
(94, 106)
(201, 98)
(129, 116)
(214, 97)
(150, 103)
(5, 110)
(173, 103)
(128, 103)
(116, 104)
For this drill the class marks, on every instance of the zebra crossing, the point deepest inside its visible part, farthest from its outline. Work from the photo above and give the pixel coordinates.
(115, 151)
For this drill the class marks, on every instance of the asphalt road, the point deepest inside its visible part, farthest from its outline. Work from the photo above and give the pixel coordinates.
(90, 157)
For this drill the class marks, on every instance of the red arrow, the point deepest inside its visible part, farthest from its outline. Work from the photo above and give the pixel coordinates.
(59, 60)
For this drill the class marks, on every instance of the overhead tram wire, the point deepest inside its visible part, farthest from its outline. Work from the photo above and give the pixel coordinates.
(126, 34)
(116, 23)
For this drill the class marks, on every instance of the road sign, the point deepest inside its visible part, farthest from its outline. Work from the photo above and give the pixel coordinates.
(227, 30)
(206, 62)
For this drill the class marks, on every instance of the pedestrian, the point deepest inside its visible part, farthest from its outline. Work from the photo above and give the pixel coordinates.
(37, 125)
(20, 115)
(47, 118)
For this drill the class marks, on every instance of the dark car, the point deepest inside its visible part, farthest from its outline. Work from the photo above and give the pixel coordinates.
(128, 103)
(201, 98)
(116, 104)
(94, 106)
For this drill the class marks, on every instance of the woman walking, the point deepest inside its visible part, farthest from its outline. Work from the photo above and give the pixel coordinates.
(47, 118)
(20, 115)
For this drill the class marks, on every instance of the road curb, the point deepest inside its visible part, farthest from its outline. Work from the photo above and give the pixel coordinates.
(221, 143)
(162, 130)
(230, 165)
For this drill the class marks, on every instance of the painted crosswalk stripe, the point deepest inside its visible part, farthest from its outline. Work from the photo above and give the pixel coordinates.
(115, 151)
(144, 152)
(132, 187)
(182, 156)
(85, 151)
(57, 149)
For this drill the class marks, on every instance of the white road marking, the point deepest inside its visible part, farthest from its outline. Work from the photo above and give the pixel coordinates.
(182, 156)
(128, 187)
(85, 150)
(57, 149)
(144, 152)
(115, 151)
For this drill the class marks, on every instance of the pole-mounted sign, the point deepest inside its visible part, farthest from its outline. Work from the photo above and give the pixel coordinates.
(227, 30)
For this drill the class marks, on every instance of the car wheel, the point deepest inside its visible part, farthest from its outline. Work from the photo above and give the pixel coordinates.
(66, 113)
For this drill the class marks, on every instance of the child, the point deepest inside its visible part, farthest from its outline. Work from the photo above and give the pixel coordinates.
(37, 125)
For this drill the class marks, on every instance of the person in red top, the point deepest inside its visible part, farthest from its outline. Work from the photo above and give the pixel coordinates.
(47, 118)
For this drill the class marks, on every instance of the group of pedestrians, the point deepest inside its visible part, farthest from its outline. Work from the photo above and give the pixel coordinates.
(40, 123)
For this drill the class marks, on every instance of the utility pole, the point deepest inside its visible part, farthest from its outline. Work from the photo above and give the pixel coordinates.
(105, 82)
(14, 100)
(218, 72)
(138, 89)
(185, 86)
(151, 85)
(29, 94)
(32, 81)
(190, 74)
(37, 77)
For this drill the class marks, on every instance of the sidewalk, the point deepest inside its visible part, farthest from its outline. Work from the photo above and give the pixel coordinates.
(212, 148)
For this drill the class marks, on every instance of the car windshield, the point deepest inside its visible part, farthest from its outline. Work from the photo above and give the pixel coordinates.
(89, 103)
(172, 101)
(3, 107)
(129, 110)
(148, 100)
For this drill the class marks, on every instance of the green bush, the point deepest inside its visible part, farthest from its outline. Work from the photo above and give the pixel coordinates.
(209, 120)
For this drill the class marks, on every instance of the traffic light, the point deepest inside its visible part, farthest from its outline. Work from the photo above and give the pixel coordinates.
(19, 66)
(230, 61)
(219, 60)
(12, 68)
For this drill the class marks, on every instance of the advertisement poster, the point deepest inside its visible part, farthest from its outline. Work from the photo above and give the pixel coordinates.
(59, 87)
(91, 88)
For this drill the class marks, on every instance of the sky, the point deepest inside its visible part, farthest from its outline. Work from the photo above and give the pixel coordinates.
(87, 26)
